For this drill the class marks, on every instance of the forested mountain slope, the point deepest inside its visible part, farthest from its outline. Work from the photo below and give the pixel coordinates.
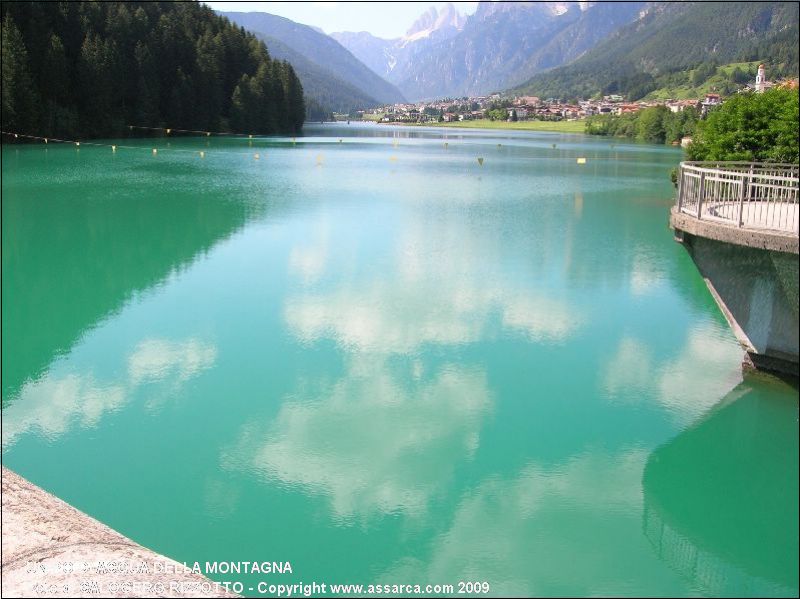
(330, 58)
(93, 68)
(672, 38)
(324, 92)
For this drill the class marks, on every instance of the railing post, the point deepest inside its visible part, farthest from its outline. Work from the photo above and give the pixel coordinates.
(700, 192)
(743, 191)
(769, 190)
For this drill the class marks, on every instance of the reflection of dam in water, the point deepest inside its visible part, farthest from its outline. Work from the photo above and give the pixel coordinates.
(717, 495)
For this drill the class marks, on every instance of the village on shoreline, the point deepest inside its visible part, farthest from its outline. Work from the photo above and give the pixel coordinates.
(499, 108)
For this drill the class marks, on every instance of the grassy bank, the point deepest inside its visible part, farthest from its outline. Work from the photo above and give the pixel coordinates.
(557, 126)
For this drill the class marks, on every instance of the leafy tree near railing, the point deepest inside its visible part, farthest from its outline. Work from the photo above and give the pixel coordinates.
(750, 126)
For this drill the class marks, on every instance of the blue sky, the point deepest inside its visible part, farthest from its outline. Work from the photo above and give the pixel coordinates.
(383, 19)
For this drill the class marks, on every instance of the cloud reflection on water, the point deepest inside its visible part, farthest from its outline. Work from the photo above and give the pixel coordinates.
(686, 385)
(444, 280)
(522, 533)
(56, 402)
(386, 436)
(376, 442)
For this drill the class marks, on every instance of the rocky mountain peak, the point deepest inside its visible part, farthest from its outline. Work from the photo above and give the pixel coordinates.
(487, 8)
(435, 20)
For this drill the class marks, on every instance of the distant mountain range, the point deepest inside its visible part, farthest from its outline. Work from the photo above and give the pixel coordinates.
(502, 45)
(332, 78)
(550, 49)
(394, 59)
(669, 38)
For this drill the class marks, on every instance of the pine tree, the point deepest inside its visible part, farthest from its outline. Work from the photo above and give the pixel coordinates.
(91, 68)
(296, 102)
(20, 100)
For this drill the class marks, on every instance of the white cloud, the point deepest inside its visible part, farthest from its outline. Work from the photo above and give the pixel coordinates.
(384, 318)
(646, 273)
(700, 375)
(157, 359)
(542, 319)
(54, 403)
(374, 443)
(308, 261)
(581, 516)
(445, 284)
(51, 405)
(629, 371)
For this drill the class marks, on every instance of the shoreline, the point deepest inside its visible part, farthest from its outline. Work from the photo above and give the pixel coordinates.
(567, 127)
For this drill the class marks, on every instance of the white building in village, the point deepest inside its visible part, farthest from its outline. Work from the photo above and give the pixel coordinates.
(761, 80)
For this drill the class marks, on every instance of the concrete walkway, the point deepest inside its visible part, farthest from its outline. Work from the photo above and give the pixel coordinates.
(50, 549)
(770, 216)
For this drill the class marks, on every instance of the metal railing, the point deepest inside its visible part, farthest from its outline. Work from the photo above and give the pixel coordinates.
(750, 195)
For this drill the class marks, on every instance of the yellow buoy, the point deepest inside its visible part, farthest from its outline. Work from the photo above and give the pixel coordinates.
(202, 154)
(581, 161)
(113, 148)
(169, 131)
(250, 136)
(16, 136)
(45, 140)
(208, 133)
(392, 158)
(319, 160)
(480, 161)
(256, 156)
(77, 144)
(155, 151)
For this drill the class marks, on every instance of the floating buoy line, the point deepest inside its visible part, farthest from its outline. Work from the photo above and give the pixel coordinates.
(320, 159)
(169, 130)
(115, 147)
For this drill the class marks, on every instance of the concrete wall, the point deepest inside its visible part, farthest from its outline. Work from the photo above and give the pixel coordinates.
(757, 289)
(50, 549)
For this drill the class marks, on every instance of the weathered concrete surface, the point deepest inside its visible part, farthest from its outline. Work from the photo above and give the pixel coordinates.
(757, 291)
(50, 549)
(762, 239)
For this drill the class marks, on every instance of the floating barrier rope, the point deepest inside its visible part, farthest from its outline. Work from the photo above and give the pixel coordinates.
(115, 147)
(169, 130)
(320, 159)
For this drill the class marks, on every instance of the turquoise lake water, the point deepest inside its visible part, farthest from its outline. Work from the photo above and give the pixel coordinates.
(367, 354)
